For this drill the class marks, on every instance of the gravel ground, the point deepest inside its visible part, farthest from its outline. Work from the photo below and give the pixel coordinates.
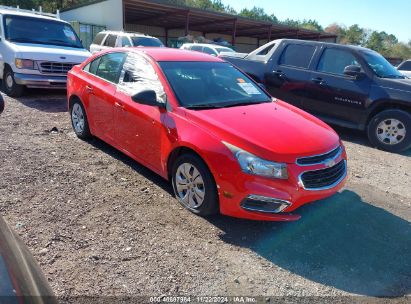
(101, 224)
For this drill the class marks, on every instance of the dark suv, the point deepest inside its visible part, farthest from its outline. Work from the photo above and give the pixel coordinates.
(344, 85)
(1, 104)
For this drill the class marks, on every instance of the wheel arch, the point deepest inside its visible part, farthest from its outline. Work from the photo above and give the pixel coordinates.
(383, 105)
(176, 152)
(72, 99)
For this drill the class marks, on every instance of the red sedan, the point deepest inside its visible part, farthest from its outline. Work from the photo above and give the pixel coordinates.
(194, 119)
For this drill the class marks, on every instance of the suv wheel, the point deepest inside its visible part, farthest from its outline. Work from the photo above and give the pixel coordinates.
(10, 86)
(194, 185)
(390, 130)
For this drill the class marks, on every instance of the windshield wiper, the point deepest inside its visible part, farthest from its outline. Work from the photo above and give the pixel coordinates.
(203, 106)
(64, 43)
(243, 103)
(24, 40)
(225, 105)
(394, 76)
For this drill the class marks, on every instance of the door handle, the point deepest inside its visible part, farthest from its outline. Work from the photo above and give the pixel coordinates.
(279, 74)
(89, 89)
(319, 81)
(119, 105)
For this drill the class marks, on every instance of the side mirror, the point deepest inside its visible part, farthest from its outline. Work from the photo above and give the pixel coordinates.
(353, 71)
(148, 97)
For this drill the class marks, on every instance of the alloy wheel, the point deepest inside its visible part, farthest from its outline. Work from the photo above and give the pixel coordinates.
(391, 131)
(189, 186)
(77, 117)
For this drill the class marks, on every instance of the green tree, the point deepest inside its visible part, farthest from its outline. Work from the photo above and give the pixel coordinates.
(311, 25)
(354, 35)
(376, 42)
(258, 13)
(291, 22)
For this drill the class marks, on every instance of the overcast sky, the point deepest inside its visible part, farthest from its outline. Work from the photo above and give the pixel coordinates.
(391, 16)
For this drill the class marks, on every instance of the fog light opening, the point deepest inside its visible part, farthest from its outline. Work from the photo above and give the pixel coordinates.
(257, 203)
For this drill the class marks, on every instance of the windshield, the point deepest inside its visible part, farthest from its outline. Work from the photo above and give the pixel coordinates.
(211, 84)
(381, 67)
(220, 49)
(146, 41)
(42, 31)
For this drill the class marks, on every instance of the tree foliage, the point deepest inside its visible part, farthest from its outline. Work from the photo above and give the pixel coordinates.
(258, 13)
(382, 42)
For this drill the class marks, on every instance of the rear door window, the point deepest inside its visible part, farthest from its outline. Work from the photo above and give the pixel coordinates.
(209, 50)
(266, 50)
(297, 55)
(125, 41)
(406, 66)
(197, 48)
(334, 61)
(99, 38)
(110, 65)
(110, 40)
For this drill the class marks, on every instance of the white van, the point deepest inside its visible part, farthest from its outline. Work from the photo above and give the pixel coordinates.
(36, 50)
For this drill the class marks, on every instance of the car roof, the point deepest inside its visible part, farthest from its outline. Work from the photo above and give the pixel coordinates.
(206, 44)
(134, 34)
(311, 42)
(171, 54)
(27, 14)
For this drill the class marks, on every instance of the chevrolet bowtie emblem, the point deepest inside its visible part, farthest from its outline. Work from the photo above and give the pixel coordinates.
(329, 163)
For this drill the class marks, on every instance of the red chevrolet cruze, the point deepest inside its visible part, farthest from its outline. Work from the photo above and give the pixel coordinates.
(224, 143)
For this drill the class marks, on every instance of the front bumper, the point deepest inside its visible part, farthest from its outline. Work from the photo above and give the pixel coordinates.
(41, 81)
(272, 199)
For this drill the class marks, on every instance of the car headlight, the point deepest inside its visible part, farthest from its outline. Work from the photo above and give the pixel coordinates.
(24, 64)
(252, 164)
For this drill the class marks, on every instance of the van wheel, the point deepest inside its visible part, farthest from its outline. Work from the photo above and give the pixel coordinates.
(194, 185)
(11, 88)
(79, 120)
(390, 130)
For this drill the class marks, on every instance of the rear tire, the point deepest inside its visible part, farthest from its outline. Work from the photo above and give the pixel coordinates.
(11, 88)
(390, 130)
(194, 185)
(1, 104)
(79, 120)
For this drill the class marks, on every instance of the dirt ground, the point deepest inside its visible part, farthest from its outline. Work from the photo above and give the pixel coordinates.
(101, 224)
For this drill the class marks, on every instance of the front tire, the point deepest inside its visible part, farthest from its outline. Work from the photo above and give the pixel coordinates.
(79, 120)
(11, 88)
(390, 130)
(194, 185)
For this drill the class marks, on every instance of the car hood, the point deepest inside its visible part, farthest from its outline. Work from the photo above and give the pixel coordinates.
(50, 52)
(274, 131)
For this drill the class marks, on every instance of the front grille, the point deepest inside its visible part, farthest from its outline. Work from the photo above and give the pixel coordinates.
(324, 178)
(317, 159)
(55, 67)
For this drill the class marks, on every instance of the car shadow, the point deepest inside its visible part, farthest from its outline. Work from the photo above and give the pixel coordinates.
(44, 100)
(49, 101)
(359, 137)
(342, 242)
(140, 169)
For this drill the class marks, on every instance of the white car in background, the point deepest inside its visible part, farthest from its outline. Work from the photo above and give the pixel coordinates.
(405, 68)
(110, 39)
(211, 49)
(36, 50)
